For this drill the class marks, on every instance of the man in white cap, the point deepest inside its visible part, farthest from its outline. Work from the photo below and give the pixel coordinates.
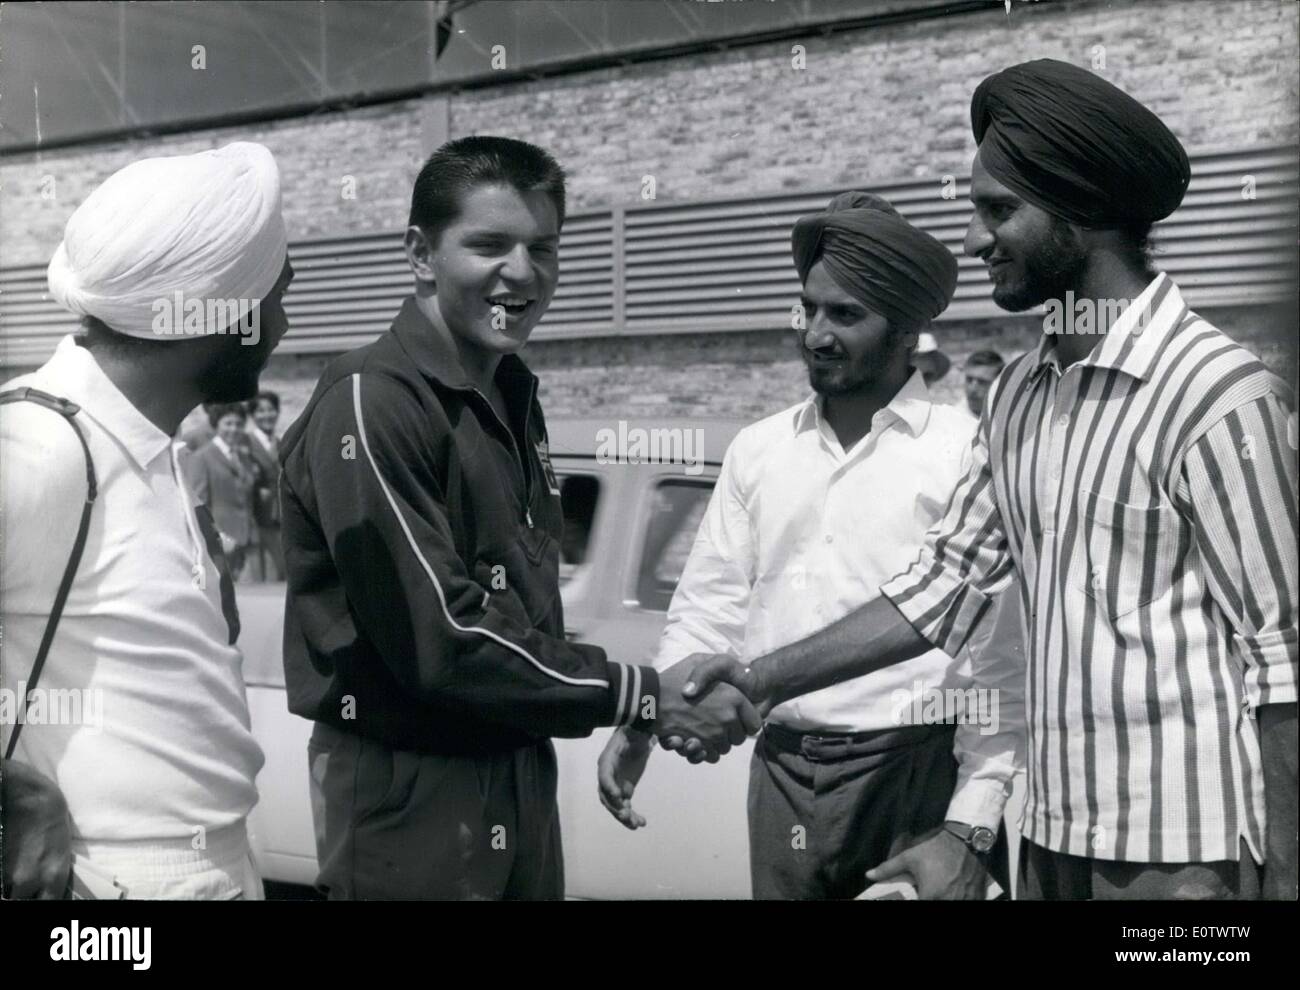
(931, 362)
(134, 763)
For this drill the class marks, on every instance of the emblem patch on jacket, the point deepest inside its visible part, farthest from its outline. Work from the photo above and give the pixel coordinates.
(544, 455)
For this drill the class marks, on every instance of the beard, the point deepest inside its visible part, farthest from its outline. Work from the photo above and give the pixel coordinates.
(233, 373)
(851, 375)
(846, 379)
(1054, 267)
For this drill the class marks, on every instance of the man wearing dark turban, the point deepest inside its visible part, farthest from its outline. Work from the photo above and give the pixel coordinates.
(870, 258)
(1072, 172)
(815, 507)
(1132, 478)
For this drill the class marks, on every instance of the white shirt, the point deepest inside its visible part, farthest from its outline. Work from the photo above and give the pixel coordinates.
(143, 640)
(798, 534)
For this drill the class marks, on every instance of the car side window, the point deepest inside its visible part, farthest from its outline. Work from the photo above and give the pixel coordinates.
(677, 507)
(579, 494)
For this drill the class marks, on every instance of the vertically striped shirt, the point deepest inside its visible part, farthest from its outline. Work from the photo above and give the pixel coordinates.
(1144, 499)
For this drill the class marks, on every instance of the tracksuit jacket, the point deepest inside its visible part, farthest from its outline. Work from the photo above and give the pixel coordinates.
(422, 538)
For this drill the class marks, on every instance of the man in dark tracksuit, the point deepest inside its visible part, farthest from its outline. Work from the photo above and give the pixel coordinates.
(422, 524)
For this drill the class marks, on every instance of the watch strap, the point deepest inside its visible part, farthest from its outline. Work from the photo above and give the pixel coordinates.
(966, 833)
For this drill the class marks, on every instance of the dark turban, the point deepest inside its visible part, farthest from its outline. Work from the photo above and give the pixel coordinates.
(1069, 142)
(877, 257)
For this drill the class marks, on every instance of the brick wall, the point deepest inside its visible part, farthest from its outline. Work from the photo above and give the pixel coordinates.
(378, 147)
(875, 104)
(893, 102)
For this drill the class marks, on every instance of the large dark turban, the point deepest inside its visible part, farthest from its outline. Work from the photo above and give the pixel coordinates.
(1069, 142)
(877, 257)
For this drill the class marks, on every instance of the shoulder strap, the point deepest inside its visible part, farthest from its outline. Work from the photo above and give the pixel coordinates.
(68, 410)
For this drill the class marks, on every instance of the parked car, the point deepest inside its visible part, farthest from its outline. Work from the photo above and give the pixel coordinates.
(628, 530)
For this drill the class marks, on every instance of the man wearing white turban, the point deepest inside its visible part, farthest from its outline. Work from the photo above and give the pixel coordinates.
(135, 771)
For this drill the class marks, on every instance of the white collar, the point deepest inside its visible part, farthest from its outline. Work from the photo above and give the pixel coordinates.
(267, 442)
(76, 376)
(910, 406)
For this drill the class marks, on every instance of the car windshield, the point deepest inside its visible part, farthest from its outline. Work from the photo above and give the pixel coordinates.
(676, 511)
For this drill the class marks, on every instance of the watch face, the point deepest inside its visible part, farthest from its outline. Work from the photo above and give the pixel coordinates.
(982, 839)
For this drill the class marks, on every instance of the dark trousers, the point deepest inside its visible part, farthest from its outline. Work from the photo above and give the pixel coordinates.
(823, 811)
(1053, 876)
(394, 825)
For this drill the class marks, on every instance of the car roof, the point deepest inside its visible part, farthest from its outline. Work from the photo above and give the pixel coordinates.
(581, 436)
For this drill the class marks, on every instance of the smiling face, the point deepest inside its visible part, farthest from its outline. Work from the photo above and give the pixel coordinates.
(846, 346)
(229, 427)
(266, 415)
(1031, 255)
(494, 269)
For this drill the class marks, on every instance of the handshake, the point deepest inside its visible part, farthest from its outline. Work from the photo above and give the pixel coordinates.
(708, 703)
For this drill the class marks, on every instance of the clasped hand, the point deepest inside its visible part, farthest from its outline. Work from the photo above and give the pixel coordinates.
(707, 704)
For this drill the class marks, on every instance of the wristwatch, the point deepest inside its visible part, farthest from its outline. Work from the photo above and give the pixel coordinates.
(978, 839)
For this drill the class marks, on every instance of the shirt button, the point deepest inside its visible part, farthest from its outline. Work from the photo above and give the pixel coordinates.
(1063, 422)
(828, 538)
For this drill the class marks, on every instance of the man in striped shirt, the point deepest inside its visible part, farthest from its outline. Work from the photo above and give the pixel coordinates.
(1139, 491)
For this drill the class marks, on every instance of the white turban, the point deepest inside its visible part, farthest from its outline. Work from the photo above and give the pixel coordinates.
(203, 227)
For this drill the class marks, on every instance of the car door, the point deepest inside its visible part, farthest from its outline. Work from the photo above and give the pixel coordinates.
(695, 844)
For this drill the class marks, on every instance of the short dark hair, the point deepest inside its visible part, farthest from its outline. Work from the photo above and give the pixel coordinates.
(460, 165)
(219, 409)
(99, 334)
(984, 359)
(266, 395)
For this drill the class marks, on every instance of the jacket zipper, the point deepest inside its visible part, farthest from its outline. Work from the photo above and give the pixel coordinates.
(528, 472)
(523, 466)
